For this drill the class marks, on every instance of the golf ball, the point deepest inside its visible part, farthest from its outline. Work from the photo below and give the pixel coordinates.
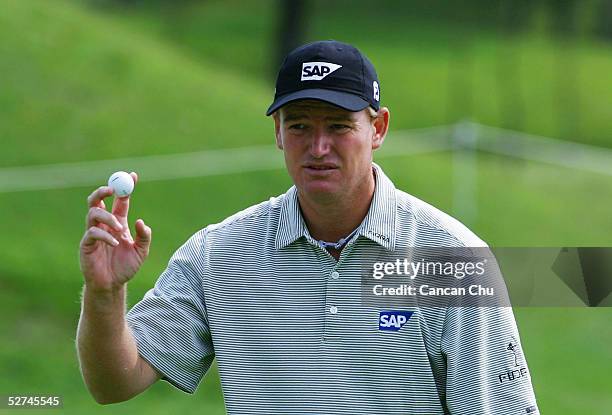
(122, 183)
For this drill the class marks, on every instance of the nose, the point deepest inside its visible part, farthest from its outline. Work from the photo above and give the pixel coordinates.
(320, 143)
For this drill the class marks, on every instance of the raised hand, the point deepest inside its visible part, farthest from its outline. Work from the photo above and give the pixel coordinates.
(109, 256)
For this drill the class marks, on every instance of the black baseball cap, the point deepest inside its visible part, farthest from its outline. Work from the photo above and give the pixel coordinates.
(329, 71)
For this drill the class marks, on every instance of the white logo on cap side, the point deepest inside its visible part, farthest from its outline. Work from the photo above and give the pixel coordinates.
(315, 71)
(376, 91)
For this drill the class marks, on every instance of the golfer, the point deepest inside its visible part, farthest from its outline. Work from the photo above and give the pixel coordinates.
(273, 293)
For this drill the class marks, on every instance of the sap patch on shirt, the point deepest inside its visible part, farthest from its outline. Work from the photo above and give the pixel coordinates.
(393, 320)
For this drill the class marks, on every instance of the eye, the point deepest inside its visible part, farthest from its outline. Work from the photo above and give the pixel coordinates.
(340, 127)
(297, 127)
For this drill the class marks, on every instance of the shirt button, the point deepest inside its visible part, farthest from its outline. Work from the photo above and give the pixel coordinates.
(335, 275)
(333, 309)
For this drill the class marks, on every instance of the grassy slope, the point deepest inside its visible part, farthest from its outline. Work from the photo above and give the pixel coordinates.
(79, 87)
(559, 89)
(141, 96)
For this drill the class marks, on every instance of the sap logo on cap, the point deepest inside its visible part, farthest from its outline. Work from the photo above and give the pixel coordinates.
(393, 320)
(315, 71)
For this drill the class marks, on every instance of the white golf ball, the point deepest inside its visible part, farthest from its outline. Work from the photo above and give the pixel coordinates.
(122, 183)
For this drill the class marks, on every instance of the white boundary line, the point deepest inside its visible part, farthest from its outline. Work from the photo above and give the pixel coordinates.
(544, 149)
(195, 164)
(257, 158)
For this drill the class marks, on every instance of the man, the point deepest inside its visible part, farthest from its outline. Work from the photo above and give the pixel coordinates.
(274, 292)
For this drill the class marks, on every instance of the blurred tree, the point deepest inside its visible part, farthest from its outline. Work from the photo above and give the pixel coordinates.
(513, 18)
(567, 67)
(291, 29)
(563, 17)
(513, 15)
(605, 25)
(460, 68)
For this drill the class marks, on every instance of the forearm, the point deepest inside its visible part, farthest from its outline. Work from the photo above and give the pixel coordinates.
(106, 348)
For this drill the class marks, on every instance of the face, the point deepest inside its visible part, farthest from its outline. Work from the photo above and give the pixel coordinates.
(328, 150)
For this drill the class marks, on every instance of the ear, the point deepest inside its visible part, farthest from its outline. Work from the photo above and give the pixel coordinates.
(277, 130)
(381, 126)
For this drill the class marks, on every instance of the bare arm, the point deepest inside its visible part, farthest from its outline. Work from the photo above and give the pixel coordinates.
(110, 364)
(111, 367)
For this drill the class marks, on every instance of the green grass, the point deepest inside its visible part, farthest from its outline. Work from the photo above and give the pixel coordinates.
(82, 87)
(87, 84)
(531, 82)
(38, 353)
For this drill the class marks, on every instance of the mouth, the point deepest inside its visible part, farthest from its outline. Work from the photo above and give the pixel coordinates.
(320, 167)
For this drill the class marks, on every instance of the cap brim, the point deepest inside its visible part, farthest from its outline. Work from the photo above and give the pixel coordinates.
(344, 100)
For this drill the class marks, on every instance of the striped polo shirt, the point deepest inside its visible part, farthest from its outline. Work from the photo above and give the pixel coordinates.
(290, 332)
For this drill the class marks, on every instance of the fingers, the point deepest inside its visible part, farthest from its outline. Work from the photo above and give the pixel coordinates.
(95, 234)
(143, 237)
(121, 205)
(95, 198)
(97, 215)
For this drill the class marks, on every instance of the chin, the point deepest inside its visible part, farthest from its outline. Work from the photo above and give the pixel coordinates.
(319, 188)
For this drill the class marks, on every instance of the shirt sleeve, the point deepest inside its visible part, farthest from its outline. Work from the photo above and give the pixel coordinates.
(170, 324)
(486, 370)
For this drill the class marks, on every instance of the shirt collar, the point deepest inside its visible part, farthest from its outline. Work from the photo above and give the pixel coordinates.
(291, 225)
(378, 225)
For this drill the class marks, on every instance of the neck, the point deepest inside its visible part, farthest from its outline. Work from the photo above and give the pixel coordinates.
(335, 218)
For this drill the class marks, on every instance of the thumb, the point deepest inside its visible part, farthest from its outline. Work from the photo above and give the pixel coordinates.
(143, 238)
